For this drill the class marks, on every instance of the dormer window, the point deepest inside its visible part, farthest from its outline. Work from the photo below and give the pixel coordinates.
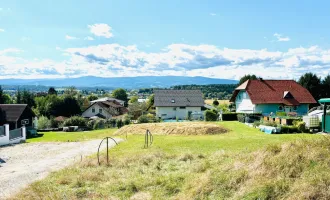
(173, 101)
(287, 95)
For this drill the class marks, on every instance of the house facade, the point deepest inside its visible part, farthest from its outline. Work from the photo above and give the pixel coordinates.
(178, 104)
(17, 115)
(271, 96)
(104, 109)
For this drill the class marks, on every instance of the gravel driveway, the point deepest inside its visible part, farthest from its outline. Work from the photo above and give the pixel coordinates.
(25, 163)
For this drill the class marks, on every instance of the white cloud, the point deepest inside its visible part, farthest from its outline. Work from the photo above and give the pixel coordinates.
(88, 38)
(102, 30)
(2, 30)
(68, 37)
(115, 60)
(281, 38)
(213, 14)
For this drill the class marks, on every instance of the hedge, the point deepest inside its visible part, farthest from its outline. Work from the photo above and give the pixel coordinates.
(229, 117)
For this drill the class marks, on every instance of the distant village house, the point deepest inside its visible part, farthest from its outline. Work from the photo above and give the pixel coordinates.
(178, 104)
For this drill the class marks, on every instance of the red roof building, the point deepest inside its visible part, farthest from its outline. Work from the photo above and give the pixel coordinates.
(270, 96)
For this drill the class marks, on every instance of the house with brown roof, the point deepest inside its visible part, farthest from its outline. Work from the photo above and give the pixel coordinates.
(271, 96)
(178, 104)
(16, 115)
(104, 109)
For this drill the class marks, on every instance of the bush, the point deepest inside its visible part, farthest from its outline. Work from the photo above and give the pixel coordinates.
(281, 114)
(210, 115)
(215, 102)
(301, 126)
(75, 121)
(256, 124)
(54, 123)
(229, 116)
(99, 124)
(143, 119)
(119, 123)
(273, 124)
(90, 124)
(241, 117)
(289, 129)
(43, 123)
(112, 122)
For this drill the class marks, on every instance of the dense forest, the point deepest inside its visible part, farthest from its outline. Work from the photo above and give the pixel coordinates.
(219, 91)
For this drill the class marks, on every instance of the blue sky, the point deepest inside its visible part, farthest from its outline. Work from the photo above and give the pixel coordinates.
(221, 39)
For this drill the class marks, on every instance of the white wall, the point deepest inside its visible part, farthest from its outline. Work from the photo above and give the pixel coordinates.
(88, 113)
(175, 112)
(4, 140)
(244, 103)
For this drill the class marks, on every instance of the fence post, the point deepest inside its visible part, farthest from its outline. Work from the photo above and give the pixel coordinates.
(4, 140)
(23, 132)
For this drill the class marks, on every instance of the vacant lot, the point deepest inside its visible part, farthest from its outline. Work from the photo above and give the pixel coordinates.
(72, 136)
(25, 163)
(241, 164)
(173, 128)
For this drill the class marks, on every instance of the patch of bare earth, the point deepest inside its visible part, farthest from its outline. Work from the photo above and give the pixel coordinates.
(175, 128)
(23, 164)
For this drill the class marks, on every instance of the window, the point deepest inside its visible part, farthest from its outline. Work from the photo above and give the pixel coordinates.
(280, 108)
(295, 107)
(164, 115)
(173, 101)
(182, 107)
(174, 108)
(93, 110)
(100, 110)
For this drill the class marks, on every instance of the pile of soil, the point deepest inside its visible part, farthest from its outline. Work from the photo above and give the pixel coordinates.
(175, 128)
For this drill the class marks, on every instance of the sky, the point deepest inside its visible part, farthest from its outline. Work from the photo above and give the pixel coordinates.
(120, 38)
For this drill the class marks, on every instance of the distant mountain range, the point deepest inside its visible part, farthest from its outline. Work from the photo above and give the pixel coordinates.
(120, 82)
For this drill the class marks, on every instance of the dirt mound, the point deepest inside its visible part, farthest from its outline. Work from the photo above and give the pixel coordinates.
(175, 128)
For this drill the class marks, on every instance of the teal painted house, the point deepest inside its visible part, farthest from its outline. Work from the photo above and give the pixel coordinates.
(271, 96)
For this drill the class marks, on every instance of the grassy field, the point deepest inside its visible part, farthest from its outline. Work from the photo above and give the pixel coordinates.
(210, 101)
(241, 164)
(71, 136)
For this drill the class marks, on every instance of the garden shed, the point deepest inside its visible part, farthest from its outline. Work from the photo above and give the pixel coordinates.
(325, 117)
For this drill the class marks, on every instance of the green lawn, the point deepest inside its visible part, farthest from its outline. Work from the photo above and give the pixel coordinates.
(219, 166)
(71, 136)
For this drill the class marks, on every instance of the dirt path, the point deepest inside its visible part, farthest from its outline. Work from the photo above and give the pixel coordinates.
(23, 164)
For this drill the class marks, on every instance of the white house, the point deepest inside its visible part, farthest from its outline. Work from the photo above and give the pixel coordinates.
(178, 104)
(104, 109)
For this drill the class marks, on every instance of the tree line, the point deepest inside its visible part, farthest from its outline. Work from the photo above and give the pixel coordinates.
(51, 104)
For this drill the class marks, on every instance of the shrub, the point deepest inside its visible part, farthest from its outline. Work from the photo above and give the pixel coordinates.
(75, 121)
(90, 124)
(210, 115)
(112, 122)
(273, 124)
(301, 126)
(215, 102)
(54, 123)
(119, 123)
(143, 119)
(241, 117)
(127, 120)
(280, 113)
(229, 116)
(43, 123)
(289, 129)
(99, 124)
(256, 124)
